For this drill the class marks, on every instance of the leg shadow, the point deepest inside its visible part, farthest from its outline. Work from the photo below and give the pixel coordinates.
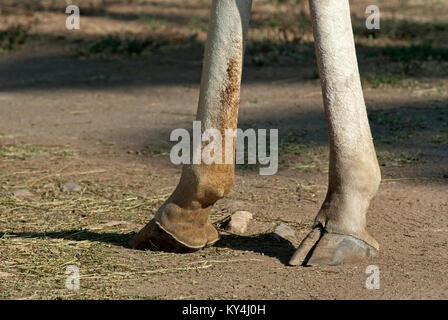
(267, 243)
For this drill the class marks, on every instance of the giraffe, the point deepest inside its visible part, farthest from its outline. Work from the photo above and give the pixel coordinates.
(339, 233)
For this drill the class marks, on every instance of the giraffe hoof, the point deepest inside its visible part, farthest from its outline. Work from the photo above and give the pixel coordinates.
(153, 237)
(322, 248)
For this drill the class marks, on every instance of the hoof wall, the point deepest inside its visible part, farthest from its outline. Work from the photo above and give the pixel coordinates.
(335, 249)
(322, 248)
(154, 238)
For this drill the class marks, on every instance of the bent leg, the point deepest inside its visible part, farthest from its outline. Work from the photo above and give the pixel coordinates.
(182, 224)
(354, 174)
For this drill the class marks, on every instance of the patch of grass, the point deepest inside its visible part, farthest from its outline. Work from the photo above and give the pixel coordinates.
(292, 142)
(35, 267)
(197, 25)
(13, 37)
(314, 159)
(394, 159)
(415, 53)
(266, 53)
(408, 61)
(113, 45)
(391, 126)
(297, 154)
(440, 138)
(152, 21)
(444, 174)
(380, 79)
(41, 236)
(117, 46)
(403, 30)
(30, 151)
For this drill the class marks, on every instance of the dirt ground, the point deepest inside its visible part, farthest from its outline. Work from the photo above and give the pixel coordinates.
(95, 107)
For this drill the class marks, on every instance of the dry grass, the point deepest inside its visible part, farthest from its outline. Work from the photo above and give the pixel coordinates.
(43, 234)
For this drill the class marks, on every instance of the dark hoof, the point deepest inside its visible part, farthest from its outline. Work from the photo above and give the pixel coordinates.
(153, 237)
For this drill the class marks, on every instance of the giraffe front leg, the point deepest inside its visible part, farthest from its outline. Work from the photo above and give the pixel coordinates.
(339, 234)
(182, 224)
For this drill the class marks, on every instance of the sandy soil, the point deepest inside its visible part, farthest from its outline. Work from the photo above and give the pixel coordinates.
(104, 124)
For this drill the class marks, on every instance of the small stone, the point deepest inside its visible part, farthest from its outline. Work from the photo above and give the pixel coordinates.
(239, 221)
(23, 194)
(71, 187)
(282, 230)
